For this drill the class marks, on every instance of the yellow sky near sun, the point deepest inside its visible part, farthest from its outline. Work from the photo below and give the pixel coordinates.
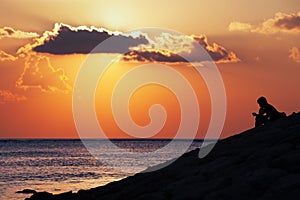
(190, 17)
(143, 98)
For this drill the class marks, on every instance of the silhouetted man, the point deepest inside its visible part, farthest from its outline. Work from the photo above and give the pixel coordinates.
(266, 113)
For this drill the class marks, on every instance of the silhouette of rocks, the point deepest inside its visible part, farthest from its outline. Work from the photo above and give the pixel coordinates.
(49, 196)
(260, 163)
(27, 191)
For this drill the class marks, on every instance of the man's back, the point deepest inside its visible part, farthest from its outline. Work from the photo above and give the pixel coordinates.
(271, 112)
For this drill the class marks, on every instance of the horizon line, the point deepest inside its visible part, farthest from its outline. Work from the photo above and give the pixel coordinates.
(114, 139)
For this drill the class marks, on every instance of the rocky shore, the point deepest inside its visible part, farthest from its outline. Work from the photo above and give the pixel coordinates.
(260, 163)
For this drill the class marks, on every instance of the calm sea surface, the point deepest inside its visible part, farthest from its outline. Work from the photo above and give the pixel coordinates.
(62, 165)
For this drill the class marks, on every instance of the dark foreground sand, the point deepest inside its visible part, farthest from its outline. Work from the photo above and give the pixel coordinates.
(261, 163)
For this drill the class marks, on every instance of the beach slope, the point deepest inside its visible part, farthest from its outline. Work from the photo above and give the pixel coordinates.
(260, 163)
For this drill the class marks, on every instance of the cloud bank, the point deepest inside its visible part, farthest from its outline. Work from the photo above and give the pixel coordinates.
(65, 39)
(281, 22)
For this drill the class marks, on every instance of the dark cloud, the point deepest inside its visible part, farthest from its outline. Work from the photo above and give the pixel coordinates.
(215, 52)
(65, 39)
(288, 22)
(157, 56)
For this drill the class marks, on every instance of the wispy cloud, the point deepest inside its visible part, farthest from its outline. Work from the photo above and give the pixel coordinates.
(240, 26)
(9, 32)
(6, 57)
(294, 54)
(8, 96)
(39, 73)
(281, 22)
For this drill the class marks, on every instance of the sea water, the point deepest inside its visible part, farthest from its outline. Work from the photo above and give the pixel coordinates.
(58, 166)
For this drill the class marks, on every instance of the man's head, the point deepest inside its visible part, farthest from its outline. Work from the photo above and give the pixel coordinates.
(262, 101)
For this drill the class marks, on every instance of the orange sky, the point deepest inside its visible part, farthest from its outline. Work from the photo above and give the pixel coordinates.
(36, 83)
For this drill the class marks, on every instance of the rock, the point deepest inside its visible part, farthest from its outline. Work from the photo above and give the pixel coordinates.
(286, 187)
(41, 195)
(27, 191)
(260, 163)
(49, 196)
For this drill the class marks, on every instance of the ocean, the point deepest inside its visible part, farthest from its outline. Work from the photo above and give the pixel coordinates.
(61, 165)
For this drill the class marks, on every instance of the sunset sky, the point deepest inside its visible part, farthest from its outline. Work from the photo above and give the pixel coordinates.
(43, 44)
